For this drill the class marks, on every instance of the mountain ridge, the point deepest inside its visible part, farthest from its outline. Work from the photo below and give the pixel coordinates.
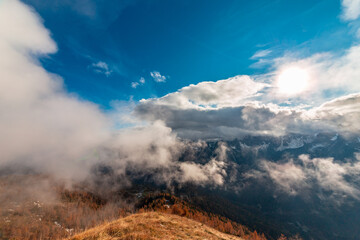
(153, 225)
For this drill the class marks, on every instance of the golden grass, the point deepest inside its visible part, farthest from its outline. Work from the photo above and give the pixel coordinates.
(152, 225)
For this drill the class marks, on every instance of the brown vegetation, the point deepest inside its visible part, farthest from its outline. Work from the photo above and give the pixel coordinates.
(167, 203)
(33, 207)
(153, 225)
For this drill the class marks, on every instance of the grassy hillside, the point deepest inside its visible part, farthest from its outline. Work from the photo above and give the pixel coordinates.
(167, 203)
(152, 225)
(37, 207)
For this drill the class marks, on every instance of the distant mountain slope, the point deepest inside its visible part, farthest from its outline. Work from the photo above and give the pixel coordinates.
(153, 225)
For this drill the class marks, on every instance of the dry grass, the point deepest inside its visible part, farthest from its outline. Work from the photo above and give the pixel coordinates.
(36, 207)
(152, 225)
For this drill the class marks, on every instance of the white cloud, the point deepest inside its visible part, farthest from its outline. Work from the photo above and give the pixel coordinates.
(351, 9)
(134, 84)
(261, 54)
(140, 82)
(288, 176)
(300, 175)
(227, 109)
(41, 125)
(157, 76)
(101, 67)
(17, 25)
(340, 114)
(155, 147)
(209, 95)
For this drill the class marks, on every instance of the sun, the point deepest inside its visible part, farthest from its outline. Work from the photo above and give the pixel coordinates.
(292, 81)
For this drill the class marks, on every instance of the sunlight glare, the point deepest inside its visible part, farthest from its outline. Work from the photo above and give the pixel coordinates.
(293, 80)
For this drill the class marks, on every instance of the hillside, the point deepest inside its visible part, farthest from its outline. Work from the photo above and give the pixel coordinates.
(37, 207)
(167, 203)
(152, 225)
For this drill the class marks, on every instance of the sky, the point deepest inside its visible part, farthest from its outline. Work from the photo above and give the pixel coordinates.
(136, 84)
(79, 76)
(133, 49)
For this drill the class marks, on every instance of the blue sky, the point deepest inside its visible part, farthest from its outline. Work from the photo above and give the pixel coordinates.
(105, 46)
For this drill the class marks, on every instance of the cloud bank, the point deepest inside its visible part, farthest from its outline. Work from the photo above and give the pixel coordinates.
(156, 150)
(211, 95)
(323, 176)
(229, 109)
(40, 123)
